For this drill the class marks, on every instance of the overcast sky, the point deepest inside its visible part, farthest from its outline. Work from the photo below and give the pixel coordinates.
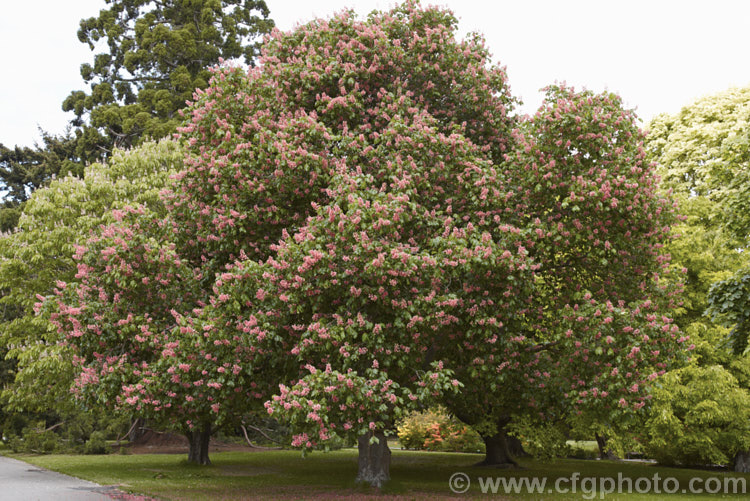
(659, 55)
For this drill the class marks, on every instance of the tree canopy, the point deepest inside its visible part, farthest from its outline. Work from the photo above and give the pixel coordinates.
(702, 158)
(157, 54)
(23, 170)
(38, 257)
(362, 227)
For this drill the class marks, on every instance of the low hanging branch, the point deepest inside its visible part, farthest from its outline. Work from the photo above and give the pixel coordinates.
(132, 427)
(541, 347)
(51, 427)
(247, 439)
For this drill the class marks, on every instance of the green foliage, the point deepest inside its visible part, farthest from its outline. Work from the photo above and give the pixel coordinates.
(582, 450)
(740, 369)
(435, 430)
(35, 439)
(542, 440)
(39, 256)
(21, 170)
(698, 416)
(67, 433)
(157, 54)
(96, 444)
(702, 156)
(9, 216)
(24, 170)
(729, 304)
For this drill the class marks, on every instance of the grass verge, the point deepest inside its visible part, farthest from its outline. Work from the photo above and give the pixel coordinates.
(415, 475)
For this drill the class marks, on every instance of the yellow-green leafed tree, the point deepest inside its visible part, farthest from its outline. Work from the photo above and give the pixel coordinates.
(38, 256)
(691, 149)
(703, 155)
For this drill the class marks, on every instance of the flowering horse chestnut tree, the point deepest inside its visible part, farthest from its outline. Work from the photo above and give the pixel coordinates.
(406, 237)
(141, 341)
(362, 221)
(579, 184)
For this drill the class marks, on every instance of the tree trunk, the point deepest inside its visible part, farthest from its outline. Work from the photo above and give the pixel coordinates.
(515, 447)
(136, 429)
(374, 459)
(742, 462)
(199, 440)
(497, 452)
(604, 453)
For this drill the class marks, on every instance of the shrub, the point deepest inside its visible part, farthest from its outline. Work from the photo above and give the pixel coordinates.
(435, 430)
(543, 441)
(96, 444)
(582, 450)
(33, 440)
(699, 416)
(413, 430)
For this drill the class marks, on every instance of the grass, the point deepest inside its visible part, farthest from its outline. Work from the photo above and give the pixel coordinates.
(415, 475)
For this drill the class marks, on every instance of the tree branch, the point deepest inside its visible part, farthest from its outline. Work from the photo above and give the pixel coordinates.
(541, 347)
(259, 431)
(135, 422)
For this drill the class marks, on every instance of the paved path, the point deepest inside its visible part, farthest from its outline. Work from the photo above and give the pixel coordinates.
(21, 481)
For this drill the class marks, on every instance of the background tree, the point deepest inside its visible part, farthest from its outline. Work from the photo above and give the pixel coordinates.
(730, 298)
(157, 54)
(39, 255)
(700, 416)
(702, 156)
(23, 170)
(698, 153)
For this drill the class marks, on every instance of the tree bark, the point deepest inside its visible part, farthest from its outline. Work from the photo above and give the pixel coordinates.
(199, 440)
(604, 453)
(374, 460)
(136, 430)
(515, 447)
(742, 462)
(497, 452)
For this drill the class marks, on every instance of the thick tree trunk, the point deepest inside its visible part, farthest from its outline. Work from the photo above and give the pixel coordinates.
(374, 460)
(604, 452)
(497, 452)
(199, 440)
(742, 462)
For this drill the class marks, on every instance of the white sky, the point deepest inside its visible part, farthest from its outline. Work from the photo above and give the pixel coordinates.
(659, 55)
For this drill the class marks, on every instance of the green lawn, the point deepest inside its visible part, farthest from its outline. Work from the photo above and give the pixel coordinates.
(415, 475)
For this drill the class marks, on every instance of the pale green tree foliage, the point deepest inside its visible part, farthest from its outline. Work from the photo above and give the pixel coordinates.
(39, 255)
(699, 157)
(702, 155)
(700, 415)
(730, 299)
